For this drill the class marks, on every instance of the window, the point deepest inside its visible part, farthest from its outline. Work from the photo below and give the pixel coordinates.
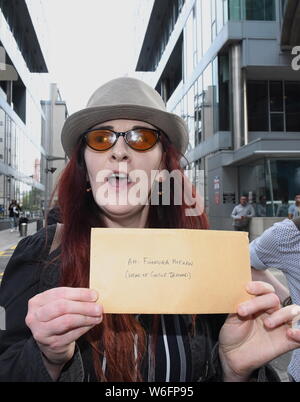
(277, 179)
(255, 10)
(199, 30)
(206, 26)
(234, 10)
(292, 106)
(276, 106)
(224, 108)
(258, 105)
(260, 10)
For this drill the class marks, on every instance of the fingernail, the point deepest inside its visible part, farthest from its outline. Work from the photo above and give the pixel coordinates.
(94, 295)
(243, 309)
(97, 309)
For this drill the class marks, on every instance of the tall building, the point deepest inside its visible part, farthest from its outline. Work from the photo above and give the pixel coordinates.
(228, 68)
(26, 126)
(54, 161)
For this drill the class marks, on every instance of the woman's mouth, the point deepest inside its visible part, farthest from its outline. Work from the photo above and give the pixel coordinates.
(119, 181)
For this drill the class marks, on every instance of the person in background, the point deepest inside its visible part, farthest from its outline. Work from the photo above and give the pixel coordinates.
(242, 215)
(14, 212)
(294, 210)
(283, 209)
(261, 207)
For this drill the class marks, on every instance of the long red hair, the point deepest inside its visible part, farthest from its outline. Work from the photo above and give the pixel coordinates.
(114, 337)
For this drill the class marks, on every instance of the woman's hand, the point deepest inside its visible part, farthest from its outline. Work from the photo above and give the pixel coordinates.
(259, 332)
(57, 318)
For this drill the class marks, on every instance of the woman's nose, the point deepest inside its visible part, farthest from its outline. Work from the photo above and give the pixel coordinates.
(120, 150)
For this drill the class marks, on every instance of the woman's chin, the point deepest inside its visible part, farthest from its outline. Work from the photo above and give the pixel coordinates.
(122, 210)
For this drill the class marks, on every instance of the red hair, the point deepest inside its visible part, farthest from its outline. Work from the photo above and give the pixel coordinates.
(114, 337)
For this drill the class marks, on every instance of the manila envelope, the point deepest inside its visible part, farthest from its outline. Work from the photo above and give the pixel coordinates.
(169, 271)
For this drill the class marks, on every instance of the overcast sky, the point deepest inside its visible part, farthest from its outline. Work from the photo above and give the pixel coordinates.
(91, 41)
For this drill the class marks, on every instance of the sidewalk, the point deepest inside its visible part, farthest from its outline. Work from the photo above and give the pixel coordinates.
(10, 239)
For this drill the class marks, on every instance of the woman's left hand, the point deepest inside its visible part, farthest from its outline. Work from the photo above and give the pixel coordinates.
(259, 332)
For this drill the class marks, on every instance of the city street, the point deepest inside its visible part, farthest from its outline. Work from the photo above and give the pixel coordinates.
(9, 241)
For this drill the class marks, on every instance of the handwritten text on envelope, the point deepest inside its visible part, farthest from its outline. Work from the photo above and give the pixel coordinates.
(169, 271)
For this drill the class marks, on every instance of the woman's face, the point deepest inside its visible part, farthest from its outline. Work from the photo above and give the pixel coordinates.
(121, 178)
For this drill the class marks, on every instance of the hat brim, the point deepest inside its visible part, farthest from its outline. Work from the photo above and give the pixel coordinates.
(76, 124)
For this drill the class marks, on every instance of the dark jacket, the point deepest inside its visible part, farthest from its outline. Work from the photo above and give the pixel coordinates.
(20, 357)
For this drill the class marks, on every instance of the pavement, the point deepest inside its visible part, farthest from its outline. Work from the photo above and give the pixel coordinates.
(9, 241)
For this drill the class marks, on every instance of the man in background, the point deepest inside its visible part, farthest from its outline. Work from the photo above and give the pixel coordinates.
(294, 210)
(242, 215)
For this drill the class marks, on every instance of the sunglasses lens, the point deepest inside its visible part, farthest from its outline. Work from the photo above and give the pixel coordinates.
(142, 139)
(100, 140)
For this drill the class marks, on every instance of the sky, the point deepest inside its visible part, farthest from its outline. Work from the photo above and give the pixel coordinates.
(89, 42)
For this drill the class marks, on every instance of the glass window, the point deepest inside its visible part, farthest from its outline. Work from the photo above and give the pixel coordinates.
(277, 179)
(276, 96)
(225, 11)
(260, 10)
(292, 105)
(191, 115)
(276, 105)
(189, 46)
(277, 122)
(258, 106)
(213, 20)
(215, 88)
(2, 134)
(199, 30)
(234, 10)
(206, 25)
(208, 99)
(220, 15)
(198, 111)
(224, 108)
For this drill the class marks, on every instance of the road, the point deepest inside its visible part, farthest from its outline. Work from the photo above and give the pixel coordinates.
(8, 242)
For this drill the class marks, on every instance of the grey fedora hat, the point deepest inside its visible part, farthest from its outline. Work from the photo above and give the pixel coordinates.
(125, 98)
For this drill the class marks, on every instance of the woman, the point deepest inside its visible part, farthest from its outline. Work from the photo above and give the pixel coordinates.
(61, 334)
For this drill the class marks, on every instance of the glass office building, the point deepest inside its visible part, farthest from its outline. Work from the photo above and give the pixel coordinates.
(225, 66)
(23, 83)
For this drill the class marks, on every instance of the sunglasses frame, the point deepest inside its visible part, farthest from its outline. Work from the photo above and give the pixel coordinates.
(122, 134)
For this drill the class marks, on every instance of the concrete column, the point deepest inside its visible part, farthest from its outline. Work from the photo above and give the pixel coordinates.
(237, 98)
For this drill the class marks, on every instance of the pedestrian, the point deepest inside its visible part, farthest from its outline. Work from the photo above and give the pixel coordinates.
(294, 210)
(261, 207)
(279, 247)
(242, 214)
(56, 330)
(283, 209)
(14, 212)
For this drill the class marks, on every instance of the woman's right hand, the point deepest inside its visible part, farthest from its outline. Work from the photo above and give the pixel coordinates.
(57, 318)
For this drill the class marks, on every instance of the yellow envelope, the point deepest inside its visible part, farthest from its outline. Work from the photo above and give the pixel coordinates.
(169, 271)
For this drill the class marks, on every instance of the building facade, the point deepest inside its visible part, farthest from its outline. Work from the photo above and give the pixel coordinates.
(226, 67)
(26, 125)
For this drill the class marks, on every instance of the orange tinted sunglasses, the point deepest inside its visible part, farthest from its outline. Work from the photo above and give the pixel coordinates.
(139, 139)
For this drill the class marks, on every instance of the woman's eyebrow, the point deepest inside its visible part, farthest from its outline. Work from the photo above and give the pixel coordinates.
(105, 127)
